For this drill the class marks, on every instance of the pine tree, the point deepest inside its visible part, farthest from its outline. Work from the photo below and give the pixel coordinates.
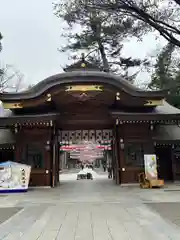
(100, 36)
(164, 73)
(167, 74)
(160, 16)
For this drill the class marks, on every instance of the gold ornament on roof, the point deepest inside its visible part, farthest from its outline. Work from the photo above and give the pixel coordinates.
(12, 105)
(84, 88)
(48, 97)
(83, 65)
(154, 103)
(117, 96)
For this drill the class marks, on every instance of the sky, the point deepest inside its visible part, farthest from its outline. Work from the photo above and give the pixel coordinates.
(32, 35)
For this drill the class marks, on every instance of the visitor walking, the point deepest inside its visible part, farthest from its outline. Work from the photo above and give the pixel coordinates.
(109, 172)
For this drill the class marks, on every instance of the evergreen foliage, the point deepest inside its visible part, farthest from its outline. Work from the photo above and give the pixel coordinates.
(100, 35)
(155, 15)
(167, 74)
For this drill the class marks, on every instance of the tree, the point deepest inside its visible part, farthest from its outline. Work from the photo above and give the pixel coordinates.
(162, 16)
(174, 96)
(163, 75)
(167, 74)
(100, 36)
(11, 79)
(1, 37)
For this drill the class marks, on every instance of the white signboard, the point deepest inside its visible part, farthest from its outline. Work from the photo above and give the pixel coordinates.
(150, 163)
(14, 177)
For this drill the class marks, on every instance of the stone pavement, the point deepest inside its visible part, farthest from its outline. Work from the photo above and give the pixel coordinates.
(91, 210)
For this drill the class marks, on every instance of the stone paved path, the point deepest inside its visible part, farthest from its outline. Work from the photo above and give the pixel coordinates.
(91, 210)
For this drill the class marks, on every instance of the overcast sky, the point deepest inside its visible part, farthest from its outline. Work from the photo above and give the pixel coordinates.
(32, 34)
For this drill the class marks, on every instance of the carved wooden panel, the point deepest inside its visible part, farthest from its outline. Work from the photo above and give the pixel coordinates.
(66, 137)
(85, 135)
(107, 135)
(78, 135)
(99, 136)
(72, 136)
(92, 136)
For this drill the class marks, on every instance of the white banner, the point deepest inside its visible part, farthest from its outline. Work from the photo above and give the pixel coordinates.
(150, 164)
(14, 176)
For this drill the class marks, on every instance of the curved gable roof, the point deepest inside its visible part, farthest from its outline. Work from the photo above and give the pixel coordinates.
(82, 77)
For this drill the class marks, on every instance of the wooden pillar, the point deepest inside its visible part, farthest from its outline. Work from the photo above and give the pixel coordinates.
(113, 157)
(121, 146)
(173, 163)
(55, 156)
(175, 158)
(53, 164)
(117, 153)
(117, 156)
(47, 160)
(121, 151)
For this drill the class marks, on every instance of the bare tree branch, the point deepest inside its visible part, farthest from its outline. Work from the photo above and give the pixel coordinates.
(10, 79)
